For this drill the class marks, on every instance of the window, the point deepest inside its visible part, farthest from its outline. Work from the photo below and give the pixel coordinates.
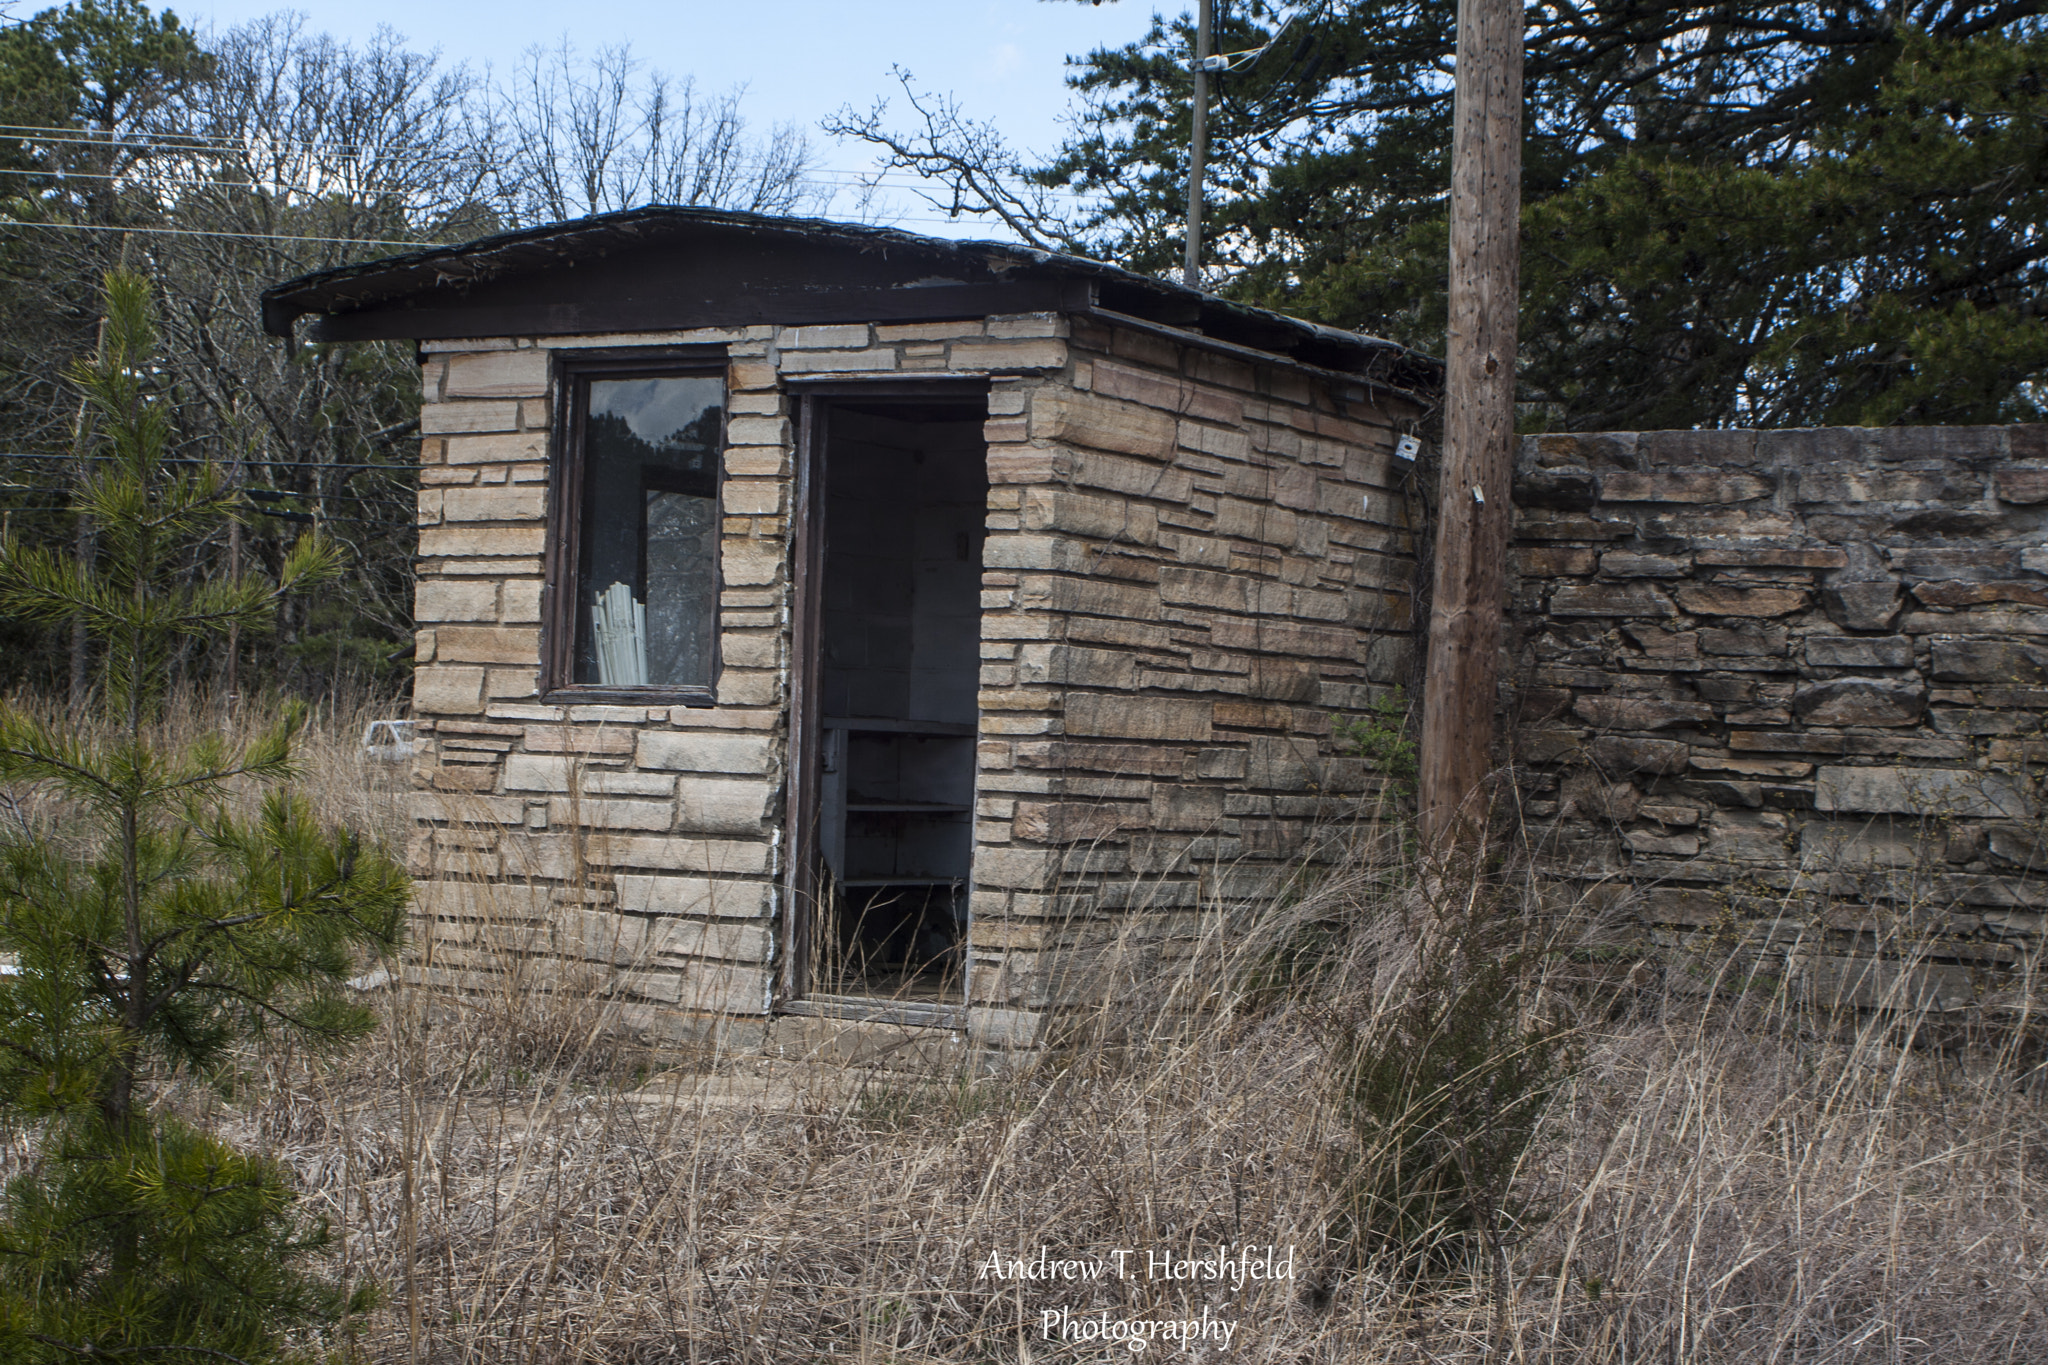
(633, 535)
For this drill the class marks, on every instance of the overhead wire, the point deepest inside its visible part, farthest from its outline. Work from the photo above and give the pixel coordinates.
(228, 145)
(184, 459)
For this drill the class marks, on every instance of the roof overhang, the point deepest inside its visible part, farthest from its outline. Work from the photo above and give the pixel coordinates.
(665, 269)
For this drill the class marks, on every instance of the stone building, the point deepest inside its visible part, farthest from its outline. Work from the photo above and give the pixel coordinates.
(823, 620)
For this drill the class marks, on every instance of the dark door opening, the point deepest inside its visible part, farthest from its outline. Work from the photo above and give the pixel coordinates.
(899, 525)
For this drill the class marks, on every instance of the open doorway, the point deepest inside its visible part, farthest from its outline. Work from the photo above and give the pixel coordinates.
(900, 490)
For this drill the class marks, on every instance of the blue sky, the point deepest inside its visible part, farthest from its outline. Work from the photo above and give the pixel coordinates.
(800, 59)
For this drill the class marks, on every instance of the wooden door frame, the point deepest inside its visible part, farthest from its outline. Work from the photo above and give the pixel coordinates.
(814, 402)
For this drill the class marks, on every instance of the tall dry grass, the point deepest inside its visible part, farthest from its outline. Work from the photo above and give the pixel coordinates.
(1721, 1176)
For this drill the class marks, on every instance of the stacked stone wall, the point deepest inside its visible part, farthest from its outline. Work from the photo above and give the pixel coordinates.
(1791, 686)
(1192, 560)
(1194, 563)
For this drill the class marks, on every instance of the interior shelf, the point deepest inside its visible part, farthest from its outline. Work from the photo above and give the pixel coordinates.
(884, 725)
(901, 881)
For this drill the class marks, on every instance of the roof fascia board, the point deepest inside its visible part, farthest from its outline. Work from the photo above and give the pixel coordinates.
(788, 308)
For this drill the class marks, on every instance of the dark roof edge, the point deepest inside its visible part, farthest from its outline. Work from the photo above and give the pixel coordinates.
(351, 288)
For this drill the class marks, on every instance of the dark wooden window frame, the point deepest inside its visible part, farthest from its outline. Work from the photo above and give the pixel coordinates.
(572, 372)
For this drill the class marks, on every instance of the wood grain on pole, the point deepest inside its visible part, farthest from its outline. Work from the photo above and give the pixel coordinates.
(1474, 514)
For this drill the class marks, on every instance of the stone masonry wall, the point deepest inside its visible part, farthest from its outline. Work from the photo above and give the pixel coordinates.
(1202, 560)
(1191, 561)
(1791, 685)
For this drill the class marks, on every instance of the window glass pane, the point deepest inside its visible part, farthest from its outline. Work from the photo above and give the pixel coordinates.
(647, 586)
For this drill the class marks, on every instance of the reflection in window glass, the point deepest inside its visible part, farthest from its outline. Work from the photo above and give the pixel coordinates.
(647, 584)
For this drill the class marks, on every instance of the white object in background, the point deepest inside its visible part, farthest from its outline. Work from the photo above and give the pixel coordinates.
(620, 626)
(390, 741)
(1407, 448)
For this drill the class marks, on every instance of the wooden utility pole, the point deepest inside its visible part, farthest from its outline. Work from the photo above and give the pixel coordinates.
(1198, 143)
(1474, 516)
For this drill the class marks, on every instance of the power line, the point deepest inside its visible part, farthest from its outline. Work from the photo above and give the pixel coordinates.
(199, 232)
(204, 146)
(255, 460)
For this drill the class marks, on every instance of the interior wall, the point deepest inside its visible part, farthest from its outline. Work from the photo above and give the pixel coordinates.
(905, 505)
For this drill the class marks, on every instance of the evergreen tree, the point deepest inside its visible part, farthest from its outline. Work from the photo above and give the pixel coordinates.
(1781, 213)
(166, 926)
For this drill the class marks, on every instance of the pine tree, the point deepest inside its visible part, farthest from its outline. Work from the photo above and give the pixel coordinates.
(166, 927)
(1781, 213)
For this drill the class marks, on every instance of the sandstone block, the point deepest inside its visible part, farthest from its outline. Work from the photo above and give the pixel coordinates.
(443, 691)
(459, 600)
(1048, 353)
(1071, 665)
(1756, 556)
(1952, 594)
(536, 773)
(1640, 713)
(1121, 474)
(1668, 845)
(524, 447)
(1717, 600)
(1849, 651)
(1862, 484)
(721, 806)
(669, 853)
(578, 739)
(1749, 638)
(704, 753)
(1683, 485)
(1090, 597)
(1992, 661)
(443, 419)
(515, 502)
(1285, 638)
(1921, 791)
(488, 644)
(1055, 822)
(927, 331)
(751, 564)
(2023, 485)
(1101, 424)
(1126, 717)
(601, 813)
(1622, 564)
(1658, 643)
(1860, 701)
(838, 362)
(608, 782)
(1750, 767)
(498, 374)
(1545, 561)
(448, 541)
(1203, 588)
(1024, 869)
(1170, 392)
(1615, 754)
(1104, 518)
(842, 336)
(1127, 760)
(757, 431)
(1610, 599)
(721, 897)
(1562, 489)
